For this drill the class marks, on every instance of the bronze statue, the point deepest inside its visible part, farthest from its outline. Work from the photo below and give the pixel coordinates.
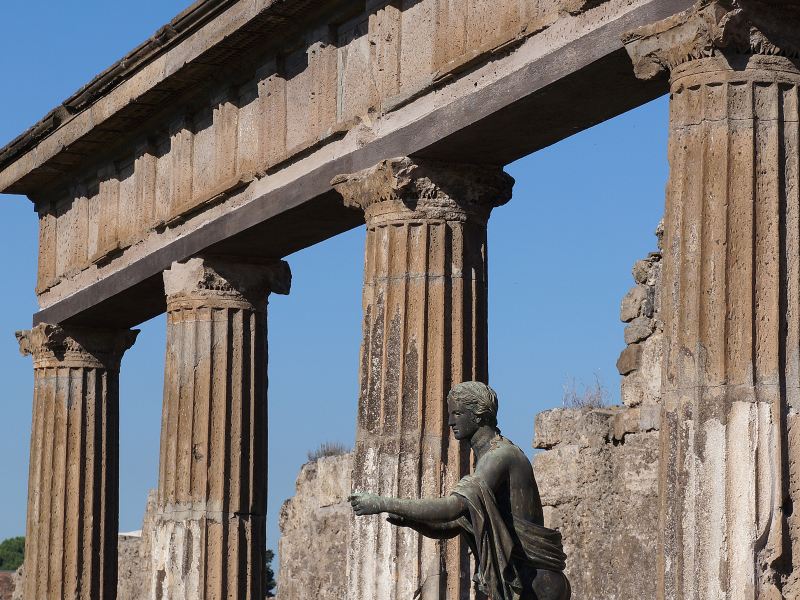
(497, 508)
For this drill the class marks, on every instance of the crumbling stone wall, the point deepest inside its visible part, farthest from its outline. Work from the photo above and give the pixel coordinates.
(134, 558)
(315, 530)
(640, 362)
(18, 583)
(599, 486)
(6, 585)
(599, 476)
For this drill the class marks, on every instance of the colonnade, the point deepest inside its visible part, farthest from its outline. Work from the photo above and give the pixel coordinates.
(425, 328)
(730, 377)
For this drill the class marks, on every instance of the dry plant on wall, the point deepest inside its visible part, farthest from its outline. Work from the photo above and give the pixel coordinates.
(328, 449)
(581, 395)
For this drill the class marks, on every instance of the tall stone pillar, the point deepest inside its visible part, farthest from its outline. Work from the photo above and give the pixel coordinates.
(210, 531)
(731, 299)
(425, 329)
(73, 484)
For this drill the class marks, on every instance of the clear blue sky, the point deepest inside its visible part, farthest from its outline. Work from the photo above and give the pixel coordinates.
(560, 256)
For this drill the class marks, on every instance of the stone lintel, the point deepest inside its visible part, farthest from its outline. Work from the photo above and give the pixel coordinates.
(56, 346)
(425, 189)
(715, 28)
(215, 279)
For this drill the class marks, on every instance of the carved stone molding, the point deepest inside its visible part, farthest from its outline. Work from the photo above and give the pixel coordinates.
(428, 190)
(215, 281)
(55, 346)
(716, 28)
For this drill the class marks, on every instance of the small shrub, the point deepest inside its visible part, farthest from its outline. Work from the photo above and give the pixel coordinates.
(328, 449)
(12, 551)
(588, 396)
(269, 575)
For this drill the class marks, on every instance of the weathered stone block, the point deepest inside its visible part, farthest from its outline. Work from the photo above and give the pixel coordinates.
(639, 329)
(643, 386)
(354, 56)
(585, 427)
(641, 271)
(6, 585)
(632, 303)
(629, 359)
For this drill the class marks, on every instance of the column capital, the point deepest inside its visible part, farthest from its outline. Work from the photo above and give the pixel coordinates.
(215, 281)
(715, 28)
(57, 346)
(407, 188)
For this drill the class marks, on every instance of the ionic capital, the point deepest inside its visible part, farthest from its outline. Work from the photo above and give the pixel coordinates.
(716, 28)
(219, 282)
(408, 189)
(56, 346)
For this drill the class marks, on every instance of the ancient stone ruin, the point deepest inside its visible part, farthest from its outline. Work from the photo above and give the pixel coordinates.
(178, 179)
(598, 480)
(318, 511)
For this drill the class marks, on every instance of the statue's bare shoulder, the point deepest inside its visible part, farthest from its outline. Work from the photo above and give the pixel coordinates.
(503, 461)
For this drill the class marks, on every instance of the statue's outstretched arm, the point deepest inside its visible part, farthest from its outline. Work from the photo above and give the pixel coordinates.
(437, 510)
(436, 531)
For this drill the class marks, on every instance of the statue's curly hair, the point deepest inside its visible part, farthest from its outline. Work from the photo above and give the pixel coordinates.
(478, 398)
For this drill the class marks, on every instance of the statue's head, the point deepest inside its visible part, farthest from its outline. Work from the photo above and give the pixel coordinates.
(471, 405)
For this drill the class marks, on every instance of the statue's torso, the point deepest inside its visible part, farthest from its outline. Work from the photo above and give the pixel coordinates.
(510, 475)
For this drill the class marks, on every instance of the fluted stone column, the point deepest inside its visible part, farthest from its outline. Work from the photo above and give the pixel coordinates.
(73, 483)
(425, 329)
(730, 440)
(210, 532)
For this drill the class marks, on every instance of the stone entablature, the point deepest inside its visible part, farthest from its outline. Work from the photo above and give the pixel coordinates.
(187, 140)
(287, 102)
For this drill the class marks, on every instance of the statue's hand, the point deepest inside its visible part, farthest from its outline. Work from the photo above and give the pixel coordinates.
(366, 504)
(397, 520)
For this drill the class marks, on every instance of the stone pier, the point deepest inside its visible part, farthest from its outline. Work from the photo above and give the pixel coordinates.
(73, 485)
(731, 298)
(210, 531)
(425, 329)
